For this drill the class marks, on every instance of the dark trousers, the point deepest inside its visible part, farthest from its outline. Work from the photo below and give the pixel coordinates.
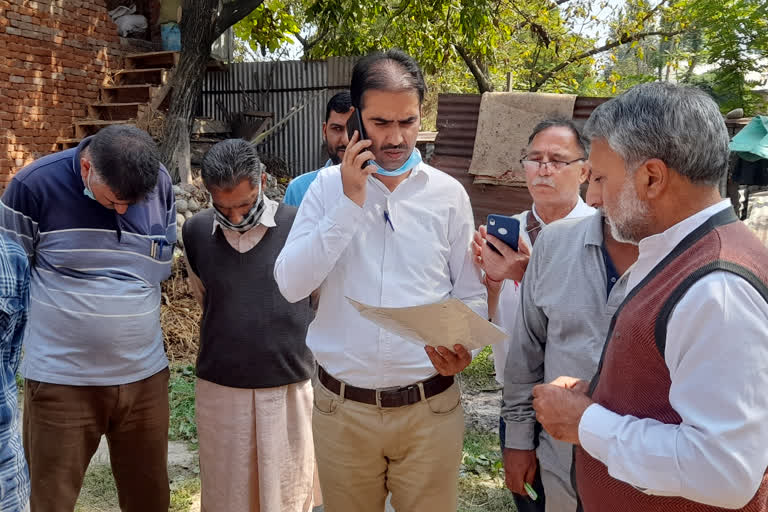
(524, 503)
(62, 429)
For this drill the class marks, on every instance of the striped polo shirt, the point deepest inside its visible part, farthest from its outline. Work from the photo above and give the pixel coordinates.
(94, 317)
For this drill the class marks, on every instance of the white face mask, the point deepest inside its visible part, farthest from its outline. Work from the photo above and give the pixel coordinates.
(250, 219)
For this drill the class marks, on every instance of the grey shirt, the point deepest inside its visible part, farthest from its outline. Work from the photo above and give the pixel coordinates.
(564, 316)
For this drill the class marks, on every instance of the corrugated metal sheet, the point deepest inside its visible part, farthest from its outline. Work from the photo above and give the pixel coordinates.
(457, 127)
(278, 87)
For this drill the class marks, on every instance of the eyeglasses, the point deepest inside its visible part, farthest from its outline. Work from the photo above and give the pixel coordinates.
(552, 165)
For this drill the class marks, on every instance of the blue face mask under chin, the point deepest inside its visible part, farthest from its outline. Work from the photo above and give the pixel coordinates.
(413, 161)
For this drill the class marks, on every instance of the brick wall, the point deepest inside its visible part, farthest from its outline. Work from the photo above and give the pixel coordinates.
(54, 56)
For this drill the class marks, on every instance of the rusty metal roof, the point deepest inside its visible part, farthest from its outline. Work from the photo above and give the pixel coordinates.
(457, 126)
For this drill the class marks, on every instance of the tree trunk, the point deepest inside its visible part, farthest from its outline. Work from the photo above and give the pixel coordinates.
(202, 21)
(484, 84)
(198, 32)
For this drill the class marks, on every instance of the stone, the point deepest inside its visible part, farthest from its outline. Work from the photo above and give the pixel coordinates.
(188, 215)
(194, 206)
(182, 206)
(736, 113)
(180, 218)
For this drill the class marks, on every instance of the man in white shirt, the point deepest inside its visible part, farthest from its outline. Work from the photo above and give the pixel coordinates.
(555, 167)
(676, 418)
(385, 229)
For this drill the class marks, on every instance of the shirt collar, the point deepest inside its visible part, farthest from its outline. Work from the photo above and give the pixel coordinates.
(581, 209)
(267, 218)
(328, 163)
(653, 249)
(594, 234)
(663, 243)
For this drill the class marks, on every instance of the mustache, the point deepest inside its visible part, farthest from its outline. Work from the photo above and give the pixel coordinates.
(543, 180)
(400, 147)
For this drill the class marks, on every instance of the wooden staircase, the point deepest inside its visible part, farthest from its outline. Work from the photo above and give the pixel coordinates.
(127, 98)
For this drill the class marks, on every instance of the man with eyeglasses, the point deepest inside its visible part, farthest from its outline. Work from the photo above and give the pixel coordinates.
(555, 167)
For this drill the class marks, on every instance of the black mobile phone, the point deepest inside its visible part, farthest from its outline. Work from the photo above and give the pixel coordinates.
(355, 122)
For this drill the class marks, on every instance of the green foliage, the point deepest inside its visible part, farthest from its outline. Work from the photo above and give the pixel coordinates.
(480, 374)
(268, 27)
(181, 389)
(481, 478)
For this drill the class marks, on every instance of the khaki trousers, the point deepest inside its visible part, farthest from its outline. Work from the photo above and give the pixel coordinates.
(256, 451)
(365, 451)
(63, 426)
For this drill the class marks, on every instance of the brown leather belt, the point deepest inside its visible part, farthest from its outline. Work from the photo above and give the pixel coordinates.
(397, 397)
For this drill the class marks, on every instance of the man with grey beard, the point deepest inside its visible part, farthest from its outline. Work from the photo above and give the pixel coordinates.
(555, 167)
(574, 283)
(676, 417)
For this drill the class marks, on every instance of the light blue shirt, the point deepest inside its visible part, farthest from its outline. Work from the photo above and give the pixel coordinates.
(299, 186)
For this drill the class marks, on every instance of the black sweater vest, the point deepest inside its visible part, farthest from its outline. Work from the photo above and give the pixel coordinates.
(250, 336)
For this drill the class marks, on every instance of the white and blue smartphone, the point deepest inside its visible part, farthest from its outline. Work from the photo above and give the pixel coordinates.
(506, 229)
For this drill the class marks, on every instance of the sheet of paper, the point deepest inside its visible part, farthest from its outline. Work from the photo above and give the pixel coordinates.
(444, 323)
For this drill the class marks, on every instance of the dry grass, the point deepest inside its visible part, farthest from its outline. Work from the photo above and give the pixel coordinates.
(180, 315)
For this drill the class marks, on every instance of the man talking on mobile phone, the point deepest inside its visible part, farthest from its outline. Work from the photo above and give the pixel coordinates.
(388, 230)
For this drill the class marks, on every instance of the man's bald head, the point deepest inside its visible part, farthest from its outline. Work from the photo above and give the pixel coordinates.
(392, 71)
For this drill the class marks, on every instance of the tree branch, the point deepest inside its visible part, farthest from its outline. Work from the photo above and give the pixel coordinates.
(234, 11)
(626, 38)
(483, 84)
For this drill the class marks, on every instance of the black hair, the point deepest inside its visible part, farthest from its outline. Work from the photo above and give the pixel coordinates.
(556, 122)
(392, 70)
(229, 162)
(341, 103)
(126, 159)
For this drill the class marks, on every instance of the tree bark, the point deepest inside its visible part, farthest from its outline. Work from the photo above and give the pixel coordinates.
(201, 23)
(484, 84)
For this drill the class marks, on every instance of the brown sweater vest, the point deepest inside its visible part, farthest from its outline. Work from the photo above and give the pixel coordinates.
(633, 378)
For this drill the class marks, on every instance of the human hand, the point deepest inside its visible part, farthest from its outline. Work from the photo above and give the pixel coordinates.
(448, 362)
(519, 469)
(559, 410)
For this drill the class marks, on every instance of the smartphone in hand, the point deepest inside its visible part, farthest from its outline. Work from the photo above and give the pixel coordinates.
(506, 229)
(355, 122)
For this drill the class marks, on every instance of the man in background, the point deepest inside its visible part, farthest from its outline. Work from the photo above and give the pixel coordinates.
(335, 137)
(555, 167)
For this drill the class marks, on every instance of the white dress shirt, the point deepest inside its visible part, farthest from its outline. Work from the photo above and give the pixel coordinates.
(509, 298)
(717, 355)
(423, 257)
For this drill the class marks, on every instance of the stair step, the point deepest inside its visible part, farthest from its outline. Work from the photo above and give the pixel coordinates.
(128, 104)
(86, 127)
(115, 111)
(128, 93)
(164, 59)
(63, 143)
(155, 76)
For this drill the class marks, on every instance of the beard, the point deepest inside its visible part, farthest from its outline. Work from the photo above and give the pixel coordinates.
(629, 223)
(333, 153)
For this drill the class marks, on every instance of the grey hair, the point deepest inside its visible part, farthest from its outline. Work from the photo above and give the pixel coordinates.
(561, 122)
(680, 125)
(229, 162)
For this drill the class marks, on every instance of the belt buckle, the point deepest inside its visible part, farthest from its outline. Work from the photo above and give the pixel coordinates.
(403, 392)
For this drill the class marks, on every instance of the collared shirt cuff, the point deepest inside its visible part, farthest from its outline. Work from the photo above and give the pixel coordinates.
(519, 436)
(596, 429)
(346, 214)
